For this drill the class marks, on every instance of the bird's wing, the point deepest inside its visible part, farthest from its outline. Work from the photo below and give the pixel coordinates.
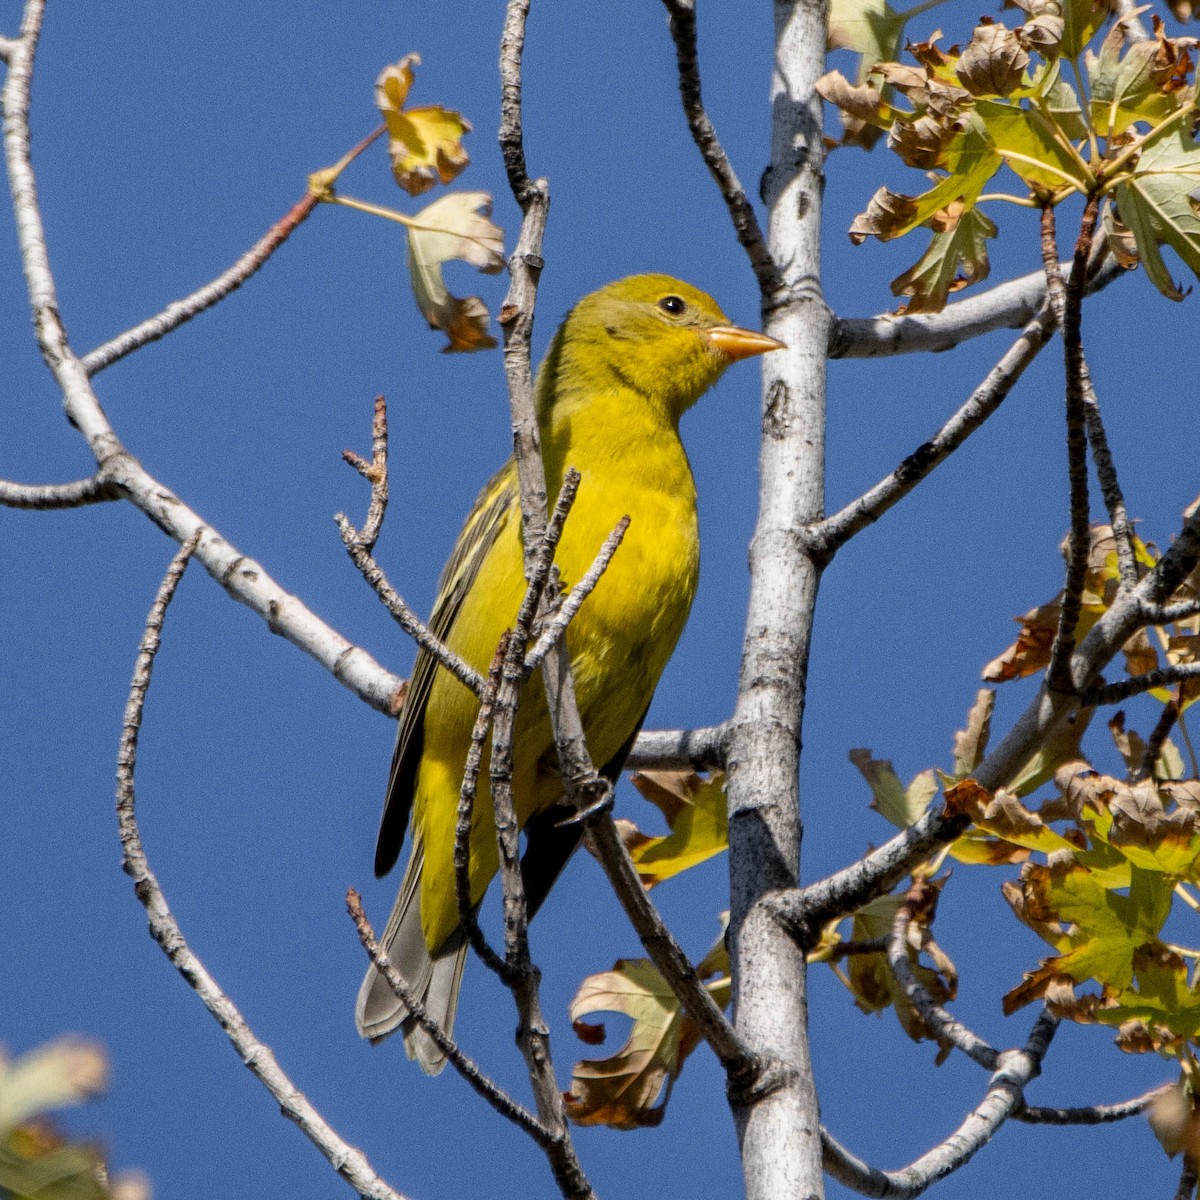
(495, 506)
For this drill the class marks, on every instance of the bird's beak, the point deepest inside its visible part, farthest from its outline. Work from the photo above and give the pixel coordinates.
(737, 343)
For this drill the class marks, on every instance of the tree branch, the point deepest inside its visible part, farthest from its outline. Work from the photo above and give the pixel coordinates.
(1114, 693)
(701, 749)
(1068, 302)
(8, 47)
(682, 22)
(498, 1099)
(243, 578)
(179, 312)
(944, 1028)
(375, 473)
(350, 1163)
(1001, 1100)
(47, 496)
(833, 532)
(1095, 1114)
(400, 611)
(1005, 306)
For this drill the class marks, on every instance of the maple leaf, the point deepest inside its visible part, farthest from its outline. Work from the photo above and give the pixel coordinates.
(1158, 203)
(930, 280)
(896, 803)
(994, 61)
(456, 226)
(696, 814)
(630, 1088)
(425, 144)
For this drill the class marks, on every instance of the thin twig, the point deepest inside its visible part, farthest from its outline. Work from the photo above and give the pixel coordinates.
(1068, 304)
(46, 496)
(466, 804)
(740, 1063)
(1114, 693)
(701, 749)
(574, 599)
(1002, 1099)
(1158, 736)
(401, 613)
(944, 1028)
(349, 1162)
(375, 473)
(834, 531)
(682, 21)
(516, 320)
(8, 47)
(1093, 1114)
(499, 1100)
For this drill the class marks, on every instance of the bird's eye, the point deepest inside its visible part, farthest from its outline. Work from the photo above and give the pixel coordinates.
(672, 304)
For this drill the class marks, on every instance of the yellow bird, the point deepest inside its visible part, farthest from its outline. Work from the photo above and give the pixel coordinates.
(624, 366)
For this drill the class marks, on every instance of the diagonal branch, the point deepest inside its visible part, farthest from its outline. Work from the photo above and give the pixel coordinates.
(834, 531)
(499, 1100)
(1114, 693)
(47, 496)
(179, 312)
(1001, 1101)
(682, 20)
(243, 578)
(350, 1163)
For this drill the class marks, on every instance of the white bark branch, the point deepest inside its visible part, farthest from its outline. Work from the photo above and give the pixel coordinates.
(1003, 1097)
(349, 1162)
(243, 578)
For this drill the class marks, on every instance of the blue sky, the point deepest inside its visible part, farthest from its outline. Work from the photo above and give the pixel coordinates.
(167, 139)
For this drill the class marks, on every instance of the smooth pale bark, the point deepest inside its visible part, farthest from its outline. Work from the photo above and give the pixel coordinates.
(779, 1126)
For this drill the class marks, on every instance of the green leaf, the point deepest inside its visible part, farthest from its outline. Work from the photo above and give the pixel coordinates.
(1081, 20)
(1158, 203)
(1027, 141)
(902, 806)
(695, 810)
(936, 274)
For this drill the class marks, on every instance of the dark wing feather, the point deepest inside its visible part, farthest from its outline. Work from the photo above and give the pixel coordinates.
(493, 507)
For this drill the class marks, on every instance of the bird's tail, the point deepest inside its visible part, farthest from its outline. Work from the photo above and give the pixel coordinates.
(434, 981)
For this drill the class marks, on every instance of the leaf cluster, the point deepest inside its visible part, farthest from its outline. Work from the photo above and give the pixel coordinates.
(1037, 105)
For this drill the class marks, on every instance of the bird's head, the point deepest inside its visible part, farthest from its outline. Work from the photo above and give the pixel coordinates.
(655, 335)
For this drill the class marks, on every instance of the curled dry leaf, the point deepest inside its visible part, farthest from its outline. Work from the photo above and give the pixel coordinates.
(630, 1089)
(994, 62)
(454, 227)
(425, 144)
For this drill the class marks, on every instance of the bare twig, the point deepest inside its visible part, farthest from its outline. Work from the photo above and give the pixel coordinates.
(401, 613)
(45, 496)
(1114, 693)
(8, 47)
(944, 1028)
(574, 599)
(495, 1096)
(243, 578)
(462, 829)
(1068, 304)
(375, 473)
(1001, 1100)
(682, 20)
(1008, 305)
(741, 1065)
(178, 312)
(349, 1162)
(1093, 1114)
(834, 531)
(1157, 739)
(701, 749)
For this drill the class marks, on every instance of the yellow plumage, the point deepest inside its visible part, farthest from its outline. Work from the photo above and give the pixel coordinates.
(623, 368)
